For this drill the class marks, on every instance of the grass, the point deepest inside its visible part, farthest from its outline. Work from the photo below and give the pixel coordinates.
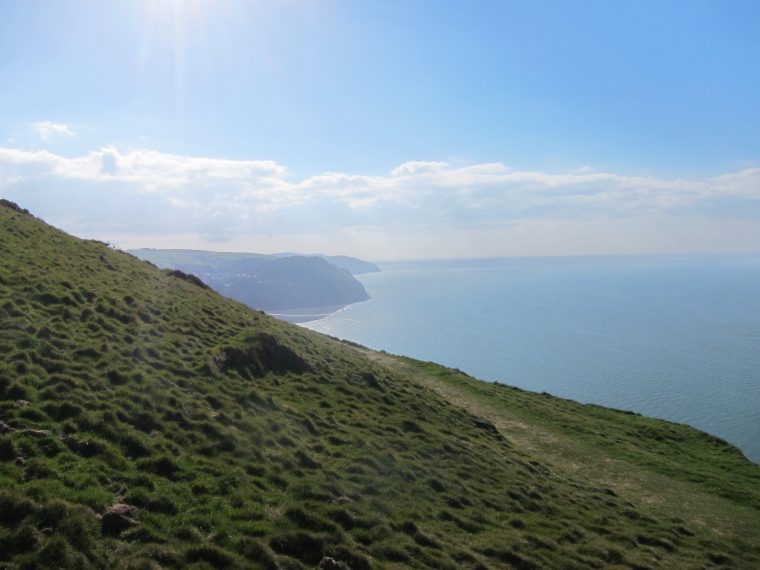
(203, 260)
(246, 442)
(671, 470)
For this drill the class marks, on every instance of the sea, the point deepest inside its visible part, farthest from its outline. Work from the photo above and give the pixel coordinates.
(675, 337)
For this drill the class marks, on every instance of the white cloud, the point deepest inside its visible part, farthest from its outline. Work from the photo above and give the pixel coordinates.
(49, 130)
(146, 192)
(417, 167)
(148, 170)
(744, 183)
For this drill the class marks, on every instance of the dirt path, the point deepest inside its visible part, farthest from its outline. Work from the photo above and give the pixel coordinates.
(567, 457)
(516, 431)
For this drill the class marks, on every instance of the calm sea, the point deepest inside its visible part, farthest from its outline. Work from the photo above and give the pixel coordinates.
(672, 337)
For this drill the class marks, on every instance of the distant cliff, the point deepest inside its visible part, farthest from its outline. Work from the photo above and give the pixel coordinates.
(351, 264)
(292, 283)
(270, 282)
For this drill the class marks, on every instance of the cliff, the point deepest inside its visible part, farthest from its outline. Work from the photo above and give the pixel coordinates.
(264, 282)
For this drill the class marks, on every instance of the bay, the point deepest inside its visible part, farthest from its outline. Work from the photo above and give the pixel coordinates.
(673, 337)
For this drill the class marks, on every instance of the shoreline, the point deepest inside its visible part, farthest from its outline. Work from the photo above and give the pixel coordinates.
(305, 315)
(308, 314)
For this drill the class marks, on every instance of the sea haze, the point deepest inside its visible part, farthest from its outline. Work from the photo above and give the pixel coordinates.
(672, 337)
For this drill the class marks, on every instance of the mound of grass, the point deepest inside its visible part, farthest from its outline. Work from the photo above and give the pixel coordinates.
(228, 439)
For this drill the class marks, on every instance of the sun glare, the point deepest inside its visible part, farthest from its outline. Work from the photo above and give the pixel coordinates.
(182, 40)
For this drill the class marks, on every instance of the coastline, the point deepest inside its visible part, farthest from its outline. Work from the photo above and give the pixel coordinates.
(305, 315)
(672, 338)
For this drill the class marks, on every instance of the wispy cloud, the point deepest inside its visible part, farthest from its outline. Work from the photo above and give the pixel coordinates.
(49, 130)
(143, 192)
(417, 167)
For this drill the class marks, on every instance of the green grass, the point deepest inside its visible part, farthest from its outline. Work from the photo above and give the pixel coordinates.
(246, 442)
(203, 260)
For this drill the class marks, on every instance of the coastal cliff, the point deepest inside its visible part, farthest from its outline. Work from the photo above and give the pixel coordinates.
(279, 282)
(146, 421)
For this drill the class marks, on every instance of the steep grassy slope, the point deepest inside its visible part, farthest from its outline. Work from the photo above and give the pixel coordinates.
(239, 441)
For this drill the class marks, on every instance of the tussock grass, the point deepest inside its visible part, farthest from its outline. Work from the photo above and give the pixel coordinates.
(245, 442)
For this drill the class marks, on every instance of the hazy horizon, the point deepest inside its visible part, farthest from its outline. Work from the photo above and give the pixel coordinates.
(386, 130)
(680, 256)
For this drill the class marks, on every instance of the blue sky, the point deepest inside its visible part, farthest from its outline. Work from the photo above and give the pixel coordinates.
(386, 129)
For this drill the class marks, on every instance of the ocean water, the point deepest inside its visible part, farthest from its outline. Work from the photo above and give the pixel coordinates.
(672, 337)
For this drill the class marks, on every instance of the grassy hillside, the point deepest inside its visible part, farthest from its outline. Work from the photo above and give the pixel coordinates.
(213, 261)
(201, 260)
(148, 422)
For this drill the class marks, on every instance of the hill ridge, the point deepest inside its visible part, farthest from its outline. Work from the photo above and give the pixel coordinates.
(148, 422)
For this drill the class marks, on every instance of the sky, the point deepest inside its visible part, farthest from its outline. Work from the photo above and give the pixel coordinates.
(386, 129)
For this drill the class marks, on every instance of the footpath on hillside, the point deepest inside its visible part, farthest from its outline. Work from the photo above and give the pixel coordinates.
(576, 455)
